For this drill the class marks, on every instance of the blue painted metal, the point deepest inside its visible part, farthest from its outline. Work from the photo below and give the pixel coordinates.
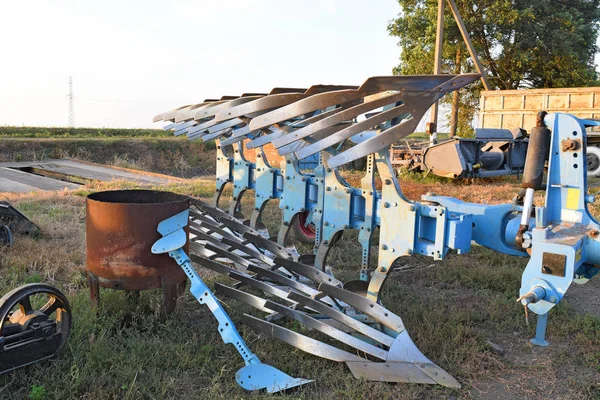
(567, 229)
(540, 331)
(562, 239)
(255, 375)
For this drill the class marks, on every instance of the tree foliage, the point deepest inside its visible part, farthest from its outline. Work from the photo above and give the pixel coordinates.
(521, 43)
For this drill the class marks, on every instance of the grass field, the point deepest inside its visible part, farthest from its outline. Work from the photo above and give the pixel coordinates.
(453, 309)
(46, 132)
(166, 155)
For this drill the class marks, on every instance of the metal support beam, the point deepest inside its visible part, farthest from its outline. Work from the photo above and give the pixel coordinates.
(467, 39)
(437, 68)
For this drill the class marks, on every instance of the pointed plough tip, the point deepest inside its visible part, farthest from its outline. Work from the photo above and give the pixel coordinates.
(405, 363)
(263, 376)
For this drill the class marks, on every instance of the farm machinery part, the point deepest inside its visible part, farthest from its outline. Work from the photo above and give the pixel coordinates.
(560, 237)
(35, 325)
(310, 296)
(493, 152)
(13, 221)
(255, 375)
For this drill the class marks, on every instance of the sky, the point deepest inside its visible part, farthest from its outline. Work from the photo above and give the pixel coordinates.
(131, 60)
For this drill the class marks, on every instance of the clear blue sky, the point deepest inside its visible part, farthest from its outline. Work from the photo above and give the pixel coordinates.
(131, 60)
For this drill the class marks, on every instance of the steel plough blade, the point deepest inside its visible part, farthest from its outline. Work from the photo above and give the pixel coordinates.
(364, 334)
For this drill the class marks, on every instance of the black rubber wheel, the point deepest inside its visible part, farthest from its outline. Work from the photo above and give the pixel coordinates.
(593, 161)
(17, 306)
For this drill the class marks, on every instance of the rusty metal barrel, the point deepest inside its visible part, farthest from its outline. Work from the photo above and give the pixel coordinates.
(120, 231)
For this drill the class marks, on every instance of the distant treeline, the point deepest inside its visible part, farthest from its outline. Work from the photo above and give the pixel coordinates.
(42, 132)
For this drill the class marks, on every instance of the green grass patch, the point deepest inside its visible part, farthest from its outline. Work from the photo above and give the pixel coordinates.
(61, 132)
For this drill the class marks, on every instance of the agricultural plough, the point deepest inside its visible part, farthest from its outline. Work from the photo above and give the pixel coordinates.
(341, 124)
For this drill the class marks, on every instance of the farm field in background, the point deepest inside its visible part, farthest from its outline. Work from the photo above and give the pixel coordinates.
(61, 132)
(454, 311)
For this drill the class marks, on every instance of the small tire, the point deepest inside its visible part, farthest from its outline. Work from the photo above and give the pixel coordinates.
(304, 233)
(593, 161)
(360, 164)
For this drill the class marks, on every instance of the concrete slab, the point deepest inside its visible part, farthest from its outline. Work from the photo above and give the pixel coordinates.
(13, 180)
(22, 177)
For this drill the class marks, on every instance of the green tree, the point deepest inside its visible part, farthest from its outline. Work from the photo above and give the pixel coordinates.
(521, 44)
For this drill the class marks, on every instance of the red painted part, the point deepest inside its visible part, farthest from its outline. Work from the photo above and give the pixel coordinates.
(307, 230)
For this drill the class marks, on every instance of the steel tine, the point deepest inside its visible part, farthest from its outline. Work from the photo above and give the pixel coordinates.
(307, 121)
(263, 104)
(307, 271)
(339, 316)
(213, 111)
(352, 130)
(261, 285)
(169, 115)
(234, 224)
(215, 266)
(267, 138)
(300, 144)
(196, 132)
(249, 251)
(227, 124)
(365, 306)
(262, 242)
(328, 330)
(316, 89)
(225, 235)
(220, 251)
(278, 90)
(170, 126)
(205, 237)
(221, 216)
(316, 102)
(271, 306)
(421, 103)
(241, 277)
(206, 219)
(202, 126)
(407, 83)
(216, 135)
(279, 278)
(187, 114)
(208, 208)
(181, 128)
(240, 132)
(393, 134)
(401, 372)
(299, 341)
(250, 299)
(370, 103)
(227, 254)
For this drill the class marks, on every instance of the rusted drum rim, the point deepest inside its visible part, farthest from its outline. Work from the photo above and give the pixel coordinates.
(142, 197)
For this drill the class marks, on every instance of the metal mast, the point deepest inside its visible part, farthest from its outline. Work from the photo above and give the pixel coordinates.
(71, 105)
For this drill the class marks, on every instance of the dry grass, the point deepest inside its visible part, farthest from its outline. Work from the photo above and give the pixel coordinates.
(174, 156)
(451, 309)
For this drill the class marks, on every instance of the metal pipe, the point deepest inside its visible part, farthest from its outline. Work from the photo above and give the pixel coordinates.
(437, 68)
(470, 47)
(527, 206)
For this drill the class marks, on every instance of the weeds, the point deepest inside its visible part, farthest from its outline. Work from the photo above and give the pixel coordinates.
(452, 309)
(45, 132)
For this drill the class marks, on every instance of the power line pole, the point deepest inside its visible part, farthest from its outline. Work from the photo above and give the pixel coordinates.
(437, 69)
(71, 104)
